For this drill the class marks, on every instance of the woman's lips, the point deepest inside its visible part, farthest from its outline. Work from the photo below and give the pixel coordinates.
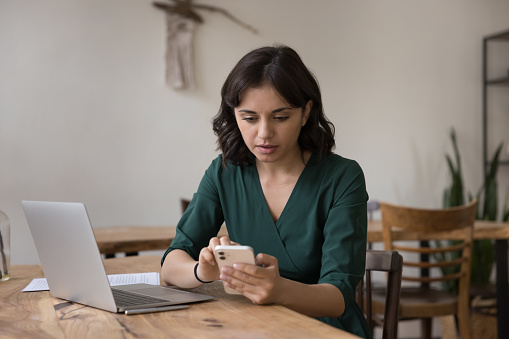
(266, 149)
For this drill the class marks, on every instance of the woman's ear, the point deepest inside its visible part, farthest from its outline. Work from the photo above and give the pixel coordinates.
(307, 112)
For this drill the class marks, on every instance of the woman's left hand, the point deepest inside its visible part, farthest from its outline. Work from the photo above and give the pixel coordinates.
(261, 283)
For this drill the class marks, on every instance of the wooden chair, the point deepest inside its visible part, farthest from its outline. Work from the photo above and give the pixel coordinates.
(392, 263)
(426, 300)
(183, 204)
(372, 206)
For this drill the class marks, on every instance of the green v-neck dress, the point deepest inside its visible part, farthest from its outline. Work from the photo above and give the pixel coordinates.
(320, 236)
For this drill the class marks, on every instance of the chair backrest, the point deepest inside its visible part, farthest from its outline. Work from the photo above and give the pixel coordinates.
(392, 263)
(372, 206)
(183, 204)
(448, 232)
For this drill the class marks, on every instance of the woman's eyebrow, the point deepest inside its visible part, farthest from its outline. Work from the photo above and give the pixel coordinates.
(246, 111)
(281, 109)
(277, 110)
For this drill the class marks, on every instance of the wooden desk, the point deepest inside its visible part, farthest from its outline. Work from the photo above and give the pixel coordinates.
(140, 238)
(115, 239)
(482, 230)
(129, 239)
(38, 315)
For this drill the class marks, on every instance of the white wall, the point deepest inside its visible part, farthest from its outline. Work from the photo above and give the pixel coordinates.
(85, 115)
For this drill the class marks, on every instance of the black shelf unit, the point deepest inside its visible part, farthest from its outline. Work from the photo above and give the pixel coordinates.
(488, 82)
(501, 245)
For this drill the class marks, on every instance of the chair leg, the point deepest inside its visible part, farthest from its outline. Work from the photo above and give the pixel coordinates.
(449, 327)
(426, 328)
(464, 324)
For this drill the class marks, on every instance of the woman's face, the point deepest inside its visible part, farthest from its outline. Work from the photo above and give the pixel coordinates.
(269, 126)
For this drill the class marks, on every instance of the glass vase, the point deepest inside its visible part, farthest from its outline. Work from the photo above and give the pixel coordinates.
(5, 248)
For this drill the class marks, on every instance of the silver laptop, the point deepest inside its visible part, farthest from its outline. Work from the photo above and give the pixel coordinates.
(73, 265)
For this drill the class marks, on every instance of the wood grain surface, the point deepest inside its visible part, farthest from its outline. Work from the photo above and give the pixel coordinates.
(39, 315)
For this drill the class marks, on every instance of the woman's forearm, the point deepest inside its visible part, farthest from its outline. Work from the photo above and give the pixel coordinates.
(178, 269)
(319, 300)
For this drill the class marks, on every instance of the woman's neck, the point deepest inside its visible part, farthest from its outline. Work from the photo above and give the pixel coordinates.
(290, 167)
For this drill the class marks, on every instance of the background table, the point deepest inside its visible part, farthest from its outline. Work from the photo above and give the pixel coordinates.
(114, 239)
(38, 315)
(133, 239)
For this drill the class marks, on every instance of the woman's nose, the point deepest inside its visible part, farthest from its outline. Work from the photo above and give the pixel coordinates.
(265, 129)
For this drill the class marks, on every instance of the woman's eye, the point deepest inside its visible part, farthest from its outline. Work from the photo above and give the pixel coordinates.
(249, 119)
(281, 118)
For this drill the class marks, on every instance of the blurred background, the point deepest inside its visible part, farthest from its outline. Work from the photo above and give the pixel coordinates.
(86, 116)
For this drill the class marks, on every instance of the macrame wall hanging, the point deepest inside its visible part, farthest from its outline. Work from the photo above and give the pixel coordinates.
(181, 20)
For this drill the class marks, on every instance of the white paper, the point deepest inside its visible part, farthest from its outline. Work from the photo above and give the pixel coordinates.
(152, 278)
(39, 284)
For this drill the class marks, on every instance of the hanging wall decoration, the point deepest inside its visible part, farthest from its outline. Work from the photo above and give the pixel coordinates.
(181, 20)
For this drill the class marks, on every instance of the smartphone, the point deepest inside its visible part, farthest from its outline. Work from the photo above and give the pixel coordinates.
(227, 255)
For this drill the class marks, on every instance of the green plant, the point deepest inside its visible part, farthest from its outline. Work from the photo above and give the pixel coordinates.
(483, 251)
(489, 191)
(453, 196)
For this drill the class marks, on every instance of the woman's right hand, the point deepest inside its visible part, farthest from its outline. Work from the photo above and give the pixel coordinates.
(207, 268)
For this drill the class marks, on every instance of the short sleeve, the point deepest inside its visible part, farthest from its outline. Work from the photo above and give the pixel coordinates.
(345, 231)
(203, 217)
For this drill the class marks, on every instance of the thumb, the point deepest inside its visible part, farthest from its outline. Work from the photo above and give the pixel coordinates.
(265, 260)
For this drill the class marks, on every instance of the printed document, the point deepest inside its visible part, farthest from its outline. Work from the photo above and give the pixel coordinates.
(152, 278)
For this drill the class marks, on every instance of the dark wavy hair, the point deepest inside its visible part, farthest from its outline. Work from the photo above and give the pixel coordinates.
(281, 68)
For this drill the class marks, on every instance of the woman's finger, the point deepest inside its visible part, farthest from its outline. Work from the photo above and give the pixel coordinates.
(225, 240)
(213, 242)
(207, 256)
(258, 290)
(265, 260)
(240, 273)
(236, 280)
(248, 269)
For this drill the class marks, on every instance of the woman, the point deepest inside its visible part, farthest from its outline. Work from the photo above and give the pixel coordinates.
(281, 190)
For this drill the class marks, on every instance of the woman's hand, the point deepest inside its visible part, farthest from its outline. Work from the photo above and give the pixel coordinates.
(207, 268)
(261, 283)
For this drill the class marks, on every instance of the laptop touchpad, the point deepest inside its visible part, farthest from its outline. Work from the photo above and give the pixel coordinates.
(158, 292)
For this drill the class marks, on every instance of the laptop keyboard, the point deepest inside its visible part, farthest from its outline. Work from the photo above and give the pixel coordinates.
(127, 298)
